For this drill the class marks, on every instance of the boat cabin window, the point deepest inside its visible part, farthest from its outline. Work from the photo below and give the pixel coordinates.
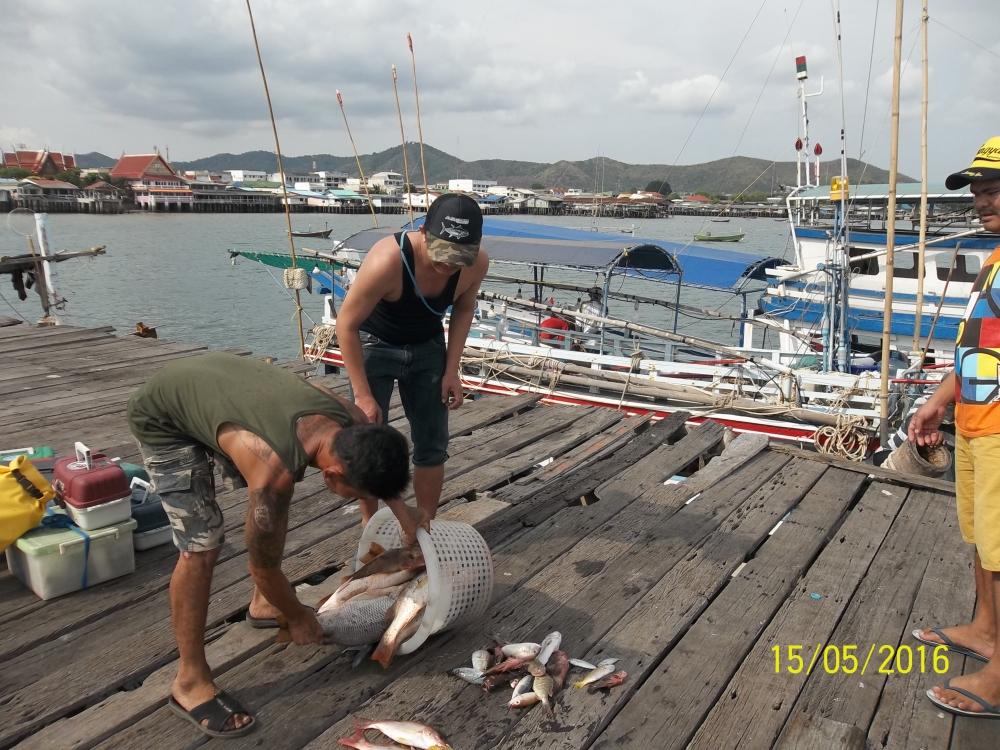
(967, 268)
(905, 266)
(868, 266)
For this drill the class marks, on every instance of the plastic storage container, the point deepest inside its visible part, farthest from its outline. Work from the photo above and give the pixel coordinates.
(93, 489)
(152, 525)
(459, 571)
(51, 560)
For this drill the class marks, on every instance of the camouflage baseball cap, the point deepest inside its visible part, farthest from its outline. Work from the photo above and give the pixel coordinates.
(454, 226)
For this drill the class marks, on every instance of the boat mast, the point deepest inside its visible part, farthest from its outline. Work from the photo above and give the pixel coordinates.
(890, 233)
(802, 143)
(842, 254)
(922, 239)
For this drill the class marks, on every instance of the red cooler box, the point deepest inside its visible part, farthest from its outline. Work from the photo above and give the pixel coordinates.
(94, 489)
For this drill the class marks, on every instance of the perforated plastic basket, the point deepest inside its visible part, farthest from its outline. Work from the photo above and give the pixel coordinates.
(459, 571)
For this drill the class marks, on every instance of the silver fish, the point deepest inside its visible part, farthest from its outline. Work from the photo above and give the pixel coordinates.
(594, 675)
(357, 621)
(523, 700)
(522, 650)
(481, 660)
(607, 662)
(549, 644)
(582, 664)
(468, 674)
(521, 686)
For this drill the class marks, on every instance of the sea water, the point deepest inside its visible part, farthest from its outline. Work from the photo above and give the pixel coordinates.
(173, 272)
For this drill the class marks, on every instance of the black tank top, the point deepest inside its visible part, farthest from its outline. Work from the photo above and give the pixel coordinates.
(408, 320)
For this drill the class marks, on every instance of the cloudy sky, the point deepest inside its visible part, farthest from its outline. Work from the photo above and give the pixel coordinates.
(640, 81)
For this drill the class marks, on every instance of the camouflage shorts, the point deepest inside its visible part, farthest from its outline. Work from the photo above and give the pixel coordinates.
(182, 474)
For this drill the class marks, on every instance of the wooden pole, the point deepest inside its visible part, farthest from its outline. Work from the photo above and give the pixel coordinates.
(922, 239)
(284, 183)
(420, 128)
(890, 227)
(402, 140)
(357, 159)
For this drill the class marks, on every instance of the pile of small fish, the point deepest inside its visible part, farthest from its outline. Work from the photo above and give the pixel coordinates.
(382, 602)
(546, 669)
(407, 733)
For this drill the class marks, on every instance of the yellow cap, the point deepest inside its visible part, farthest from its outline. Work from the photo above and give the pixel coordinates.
(986, 166)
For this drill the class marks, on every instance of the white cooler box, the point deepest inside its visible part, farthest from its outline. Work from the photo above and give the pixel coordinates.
(50, 559)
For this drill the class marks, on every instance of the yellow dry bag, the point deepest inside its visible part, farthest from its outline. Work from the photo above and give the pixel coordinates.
(23, 495)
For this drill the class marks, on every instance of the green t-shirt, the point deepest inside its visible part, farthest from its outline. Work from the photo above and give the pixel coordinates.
(190, 398)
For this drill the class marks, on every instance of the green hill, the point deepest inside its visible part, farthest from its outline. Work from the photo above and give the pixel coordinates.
(730, 175)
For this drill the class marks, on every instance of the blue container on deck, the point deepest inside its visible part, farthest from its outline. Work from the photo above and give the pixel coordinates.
(152, 525)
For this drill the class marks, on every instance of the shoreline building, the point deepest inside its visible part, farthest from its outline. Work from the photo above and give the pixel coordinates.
(43, 163)
(154, 183)
(463, 185)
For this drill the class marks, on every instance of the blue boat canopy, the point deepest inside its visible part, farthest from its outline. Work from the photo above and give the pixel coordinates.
(658, 260)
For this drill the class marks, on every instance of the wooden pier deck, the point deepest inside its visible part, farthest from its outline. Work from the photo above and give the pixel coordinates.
(690, 584)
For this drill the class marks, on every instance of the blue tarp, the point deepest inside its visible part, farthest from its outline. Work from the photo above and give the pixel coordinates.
(544, 244)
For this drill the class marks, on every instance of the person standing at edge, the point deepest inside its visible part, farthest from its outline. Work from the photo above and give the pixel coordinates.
(390, 330)
(263, 426)
(974, 387)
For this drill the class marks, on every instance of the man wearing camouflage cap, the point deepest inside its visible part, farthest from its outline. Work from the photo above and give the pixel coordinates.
(390, 330)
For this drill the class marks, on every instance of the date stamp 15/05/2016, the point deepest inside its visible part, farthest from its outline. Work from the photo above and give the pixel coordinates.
(853, 658)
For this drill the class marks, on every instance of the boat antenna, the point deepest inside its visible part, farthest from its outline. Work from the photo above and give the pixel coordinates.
(922, 237)
(420, 128)
(357, 159)
(402, 138)
(890, 228)
(281, 172)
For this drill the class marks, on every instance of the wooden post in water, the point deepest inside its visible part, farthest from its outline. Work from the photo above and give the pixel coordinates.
(922, 239)
(890, 230)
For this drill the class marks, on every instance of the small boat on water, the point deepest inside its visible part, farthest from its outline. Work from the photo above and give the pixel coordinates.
(323, 233)
(720, 221)
(710, 237)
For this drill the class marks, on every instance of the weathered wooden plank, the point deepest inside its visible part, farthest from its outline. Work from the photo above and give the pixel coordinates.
(877, 472)
(905, 718)
(877, 615)
(232, 645)
(820, 733)
(559, 436)
(577, 594)
(672, 591)
(30, 331)
(541, 506)
(671, 697)
(759, 698)
(594, 449)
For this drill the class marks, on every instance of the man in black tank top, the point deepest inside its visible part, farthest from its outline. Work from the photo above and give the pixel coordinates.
(390, 330)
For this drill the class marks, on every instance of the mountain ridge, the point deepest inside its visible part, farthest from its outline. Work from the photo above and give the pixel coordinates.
(730, 175)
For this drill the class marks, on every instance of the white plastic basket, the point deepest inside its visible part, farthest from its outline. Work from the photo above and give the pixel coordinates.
(459, 571)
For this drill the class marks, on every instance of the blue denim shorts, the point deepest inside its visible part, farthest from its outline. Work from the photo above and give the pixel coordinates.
(418, 369)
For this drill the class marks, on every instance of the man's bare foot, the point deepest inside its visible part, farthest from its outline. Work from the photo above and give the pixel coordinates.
(196, 695)
(966, 636)
(981, 684)
(263, 610)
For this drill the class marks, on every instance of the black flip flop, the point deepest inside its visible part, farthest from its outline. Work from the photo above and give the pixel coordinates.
(261, 623)
(217, 711)
(946, 641)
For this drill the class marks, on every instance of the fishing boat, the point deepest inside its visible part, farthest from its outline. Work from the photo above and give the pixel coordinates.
(712, 237)
(319, 233)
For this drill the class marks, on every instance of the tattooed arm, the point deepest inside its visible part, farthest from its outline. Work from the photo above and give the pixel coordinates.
(270, 493)
(267, 524)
